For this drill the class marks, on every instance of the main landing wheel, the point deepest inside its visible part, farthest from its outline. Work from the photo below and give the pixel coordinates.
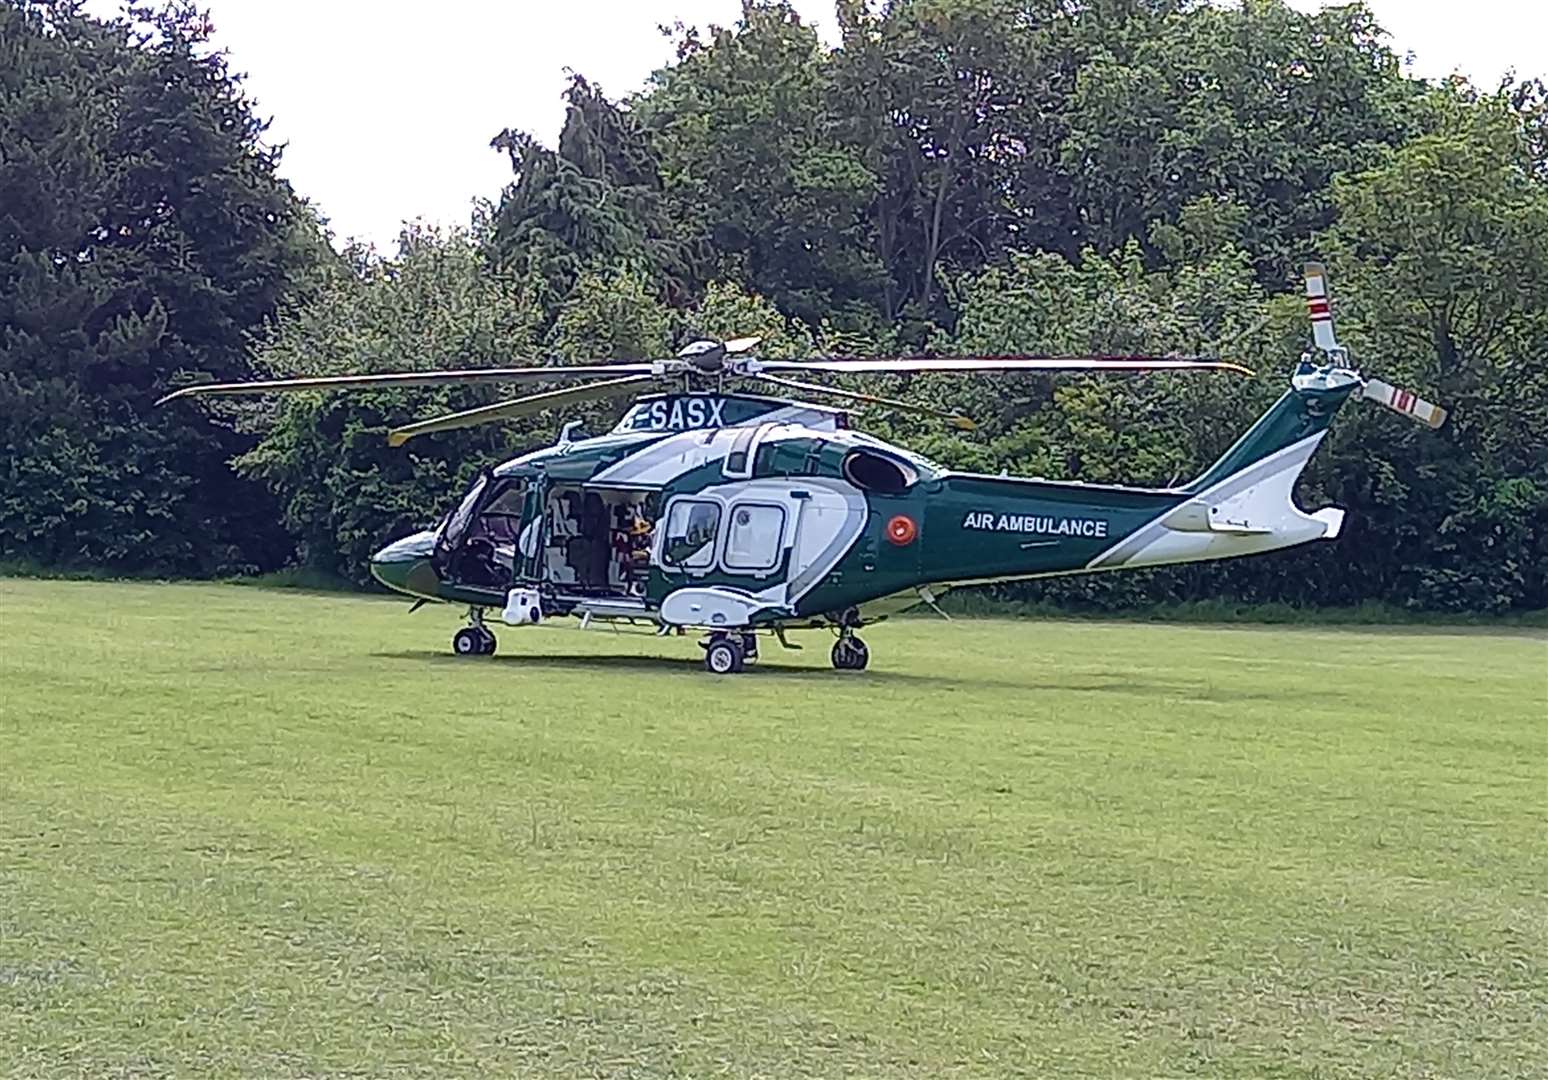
(851, 654)
(724, 656)
(473, 641)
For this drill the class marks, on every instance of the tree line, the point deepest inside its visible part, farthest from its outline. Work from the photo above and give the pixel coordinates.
(954, 175)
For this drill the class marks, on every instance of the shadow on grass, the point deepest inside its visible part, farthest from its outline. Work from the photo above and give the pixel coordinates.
(572, 662)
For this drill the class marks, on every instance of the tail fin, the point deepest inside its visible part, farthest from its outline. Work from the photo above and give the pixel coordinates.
(1244, 503)
(1299, 418)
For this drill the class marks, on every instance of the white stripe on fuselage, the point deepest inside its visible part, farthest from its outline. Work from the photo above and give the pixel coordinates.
(662, 462)
(1266, 485)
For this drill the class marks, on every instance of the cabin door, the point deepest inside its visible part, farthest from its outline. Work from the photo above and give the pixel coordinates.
(528, 564)
(478, 545)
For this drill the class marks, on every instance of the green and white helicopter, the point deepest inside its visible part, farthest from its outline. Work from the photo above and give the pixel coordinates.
(714, 509)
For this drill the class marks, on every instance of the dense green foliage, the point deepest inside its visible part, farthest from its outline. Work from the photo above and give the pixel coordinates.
(142, 232)
(973, 175)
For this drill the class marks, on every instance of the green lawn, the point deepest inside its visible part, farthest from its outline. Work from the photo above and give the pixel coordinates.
(250, 833)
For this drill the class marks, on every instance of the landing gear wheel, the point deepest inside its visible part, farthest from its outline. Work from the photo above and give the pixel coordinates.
(489, 644)
(851, 654)
(749, 648)
(723, 656)
(473, 641)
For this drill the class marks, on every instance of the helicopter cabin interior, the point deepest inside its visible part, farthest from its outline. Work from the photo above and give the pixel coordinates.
(592, 548)
(582, 543)
(597, 541)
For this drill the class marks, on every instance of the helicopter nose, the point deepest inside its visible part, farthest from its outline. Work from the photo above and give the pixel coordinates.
(404, 565)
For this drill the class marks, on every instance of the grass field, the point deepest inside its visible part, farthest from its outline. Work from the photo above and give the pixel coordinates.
(248, 833)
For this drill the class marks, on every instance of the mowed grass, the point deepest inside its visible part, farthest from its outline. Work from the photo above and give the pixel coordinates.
(249, 833)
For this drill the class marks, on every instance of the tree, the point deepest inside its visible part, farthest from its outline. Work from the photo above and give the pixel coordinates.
(143, 232)
(952, 104)
(344, 491)
(1257, 104)
(743, 127)
(595, 204)
(1445, 249)
(727, 311)
(612, 316)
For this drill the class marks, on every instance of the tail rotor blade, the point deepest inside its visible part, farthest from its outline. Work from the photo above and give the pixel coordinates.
(1406, 402)
(1318, 307)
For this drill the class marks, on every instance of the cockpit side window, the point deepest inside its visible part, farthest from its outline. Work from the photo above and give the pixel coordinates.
(500, 517)
(509, 502)
(691, 527)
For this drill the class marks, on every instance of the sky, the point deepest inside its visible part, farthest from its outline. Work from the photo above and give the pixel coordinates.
(385, 108)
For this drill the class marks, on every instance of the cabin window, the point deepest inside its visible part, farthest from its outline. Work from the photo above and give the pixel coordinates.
(690, 534)
(753, 540)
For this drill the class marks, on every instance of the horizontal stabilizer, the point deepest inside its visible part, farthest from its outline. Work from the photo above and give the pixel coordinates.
(1241, 528)
(1333, 518)
(1404, 401)
(1197, 516)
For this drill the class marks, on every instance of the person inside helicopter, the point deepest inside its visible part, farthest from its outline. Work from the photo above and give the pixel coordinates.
(598, 541)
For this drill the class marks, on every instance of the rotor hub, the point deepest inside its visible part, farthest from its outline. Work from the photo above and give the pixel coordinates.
(705, 357)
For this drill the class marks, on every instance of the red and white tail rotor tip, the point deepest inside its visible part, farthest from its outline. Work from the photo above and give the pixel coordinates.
(1398, 400)
(1404, 401)
(1318, 307)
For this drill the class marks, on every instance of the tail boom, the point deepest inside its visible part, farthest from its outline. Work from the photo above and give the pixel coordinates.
(1246, 513)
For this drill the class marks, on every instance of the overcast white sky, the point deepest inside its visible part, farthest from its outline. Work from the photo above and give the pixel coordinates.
(386, 107)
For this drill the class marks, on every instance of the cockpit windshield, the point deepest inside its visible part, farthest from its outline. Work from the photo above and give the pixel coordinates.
(457, 522)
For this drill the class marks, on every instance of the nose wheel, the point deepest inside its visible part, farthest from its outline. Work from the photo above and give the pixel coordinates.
(850, 653)
(726, 654)
(475, 639)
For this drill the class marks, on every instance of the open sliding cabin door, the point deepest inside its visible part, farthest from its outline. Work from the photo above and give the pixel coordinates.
(529, 565)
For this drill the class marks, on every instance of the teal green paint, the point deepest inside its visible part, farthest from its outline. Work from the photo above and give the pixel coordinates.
(957, 551)
(580, 461)
(970, 527)
(874, 566)
(659, 413)
(416, 577)
(1293, 417)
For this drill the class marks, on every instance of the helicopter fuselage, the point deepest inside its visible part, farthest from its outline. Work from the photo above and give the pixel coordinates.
(734, 513)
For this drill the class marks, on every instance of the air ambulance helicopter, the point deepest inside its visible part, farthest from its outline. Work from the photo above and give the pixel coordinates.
(712, 508)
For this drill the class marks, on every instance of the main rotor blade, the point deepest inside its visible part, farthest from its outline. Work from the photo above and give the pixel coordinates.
(453, 377)
(740, 345)
(905, 364)
(956, 420)
(522, 406)
(1403, 401)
